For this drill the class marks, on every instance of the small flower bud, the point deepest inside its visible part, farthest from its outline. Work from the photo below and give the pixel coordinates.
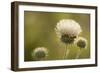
(81, 42)
(39, 53)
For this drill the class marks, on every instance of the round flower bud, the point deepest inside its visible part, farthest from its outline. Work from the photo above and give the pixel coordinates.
(40, 53)
(81, 42)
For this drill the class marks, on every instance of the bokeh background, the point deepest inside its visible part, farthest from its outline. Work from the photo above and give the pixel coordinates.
(39, 32)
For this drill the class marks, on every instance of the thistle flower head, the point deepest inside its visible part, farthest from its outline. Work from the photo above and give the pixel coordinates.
(67, 30)
(81, 42)
(40, 53)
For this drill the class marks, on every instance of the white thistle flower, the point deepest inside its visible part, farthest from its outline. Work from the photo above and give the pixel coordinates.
(81, 42)
(67, 30)
(40, 53)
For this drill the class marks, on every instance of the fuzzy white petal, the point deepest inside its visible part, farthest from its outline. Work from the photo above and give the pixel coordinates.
(69, 27)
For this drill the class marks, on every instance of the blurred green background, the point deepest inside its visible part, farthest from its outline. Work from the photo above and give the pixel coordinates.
(39, 32)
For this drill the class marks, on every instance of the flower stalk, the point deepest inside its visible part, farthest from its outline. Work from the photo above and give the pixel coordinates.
(78, 54)
(66, 53)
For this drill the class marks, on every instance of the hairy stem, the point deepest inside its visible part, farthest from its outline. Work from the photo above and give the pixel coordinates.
(78, 54)
(66, 52)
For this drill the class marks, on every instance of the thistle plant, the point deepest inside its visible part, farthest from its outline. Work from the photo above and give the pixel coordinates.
(40, 53)
(82, 44)
(67, 30)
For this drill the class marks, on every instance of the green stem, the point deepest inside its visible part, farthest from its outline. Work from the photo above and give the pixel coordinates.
(78, 54)
(66, 52)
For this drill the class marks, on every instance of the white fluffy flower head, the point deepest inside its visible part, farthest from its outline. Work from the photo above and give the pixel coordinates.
(68, 27)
